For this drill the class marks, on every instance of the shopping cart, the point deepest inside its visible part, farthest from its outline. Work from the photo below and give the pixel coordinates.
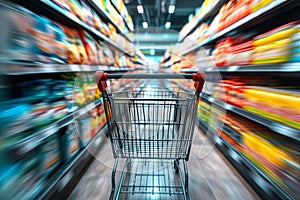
(151, 127)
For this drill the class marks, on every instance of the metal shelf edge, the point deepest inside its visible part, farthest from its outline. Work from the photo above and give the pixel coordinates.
(26, 68)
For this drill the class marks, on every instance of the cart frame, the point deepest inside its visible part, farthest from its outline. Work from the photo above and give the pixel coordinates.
(151, 126)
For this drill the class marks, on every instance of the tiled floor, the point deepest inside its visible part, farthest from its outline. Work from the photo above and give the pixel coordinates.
(210, 176)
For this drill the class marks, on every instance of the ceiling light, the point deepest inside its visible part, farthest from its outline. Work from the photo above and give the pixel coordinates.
(145, 25)
(168, 25)
(140, 9)
(171, 9)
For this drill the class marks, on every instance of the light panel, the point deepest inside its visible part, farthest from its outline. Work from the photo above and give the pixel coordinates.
(140, 9)
(171, 9)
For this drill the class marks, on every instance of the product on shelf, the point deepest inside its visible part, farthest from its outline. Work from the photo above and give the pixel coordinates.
(73, 56)
(278, 105)
(274, 46)
(80, 48)
(60, 44)
(232, 12)
(85, 89)
(15, 123)
(70, 142)
(258, 4)
(273, 153)
(51, 154)
(21, 175)
(16, 39)
(230, 91)
(204, 112)
(108, 55)
(233, 50)
(90, 48)
(84, 123)
(87, 13)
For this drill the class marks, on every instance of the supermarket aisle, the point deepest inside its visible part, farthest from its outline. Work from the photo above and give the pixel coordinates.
(211, 177)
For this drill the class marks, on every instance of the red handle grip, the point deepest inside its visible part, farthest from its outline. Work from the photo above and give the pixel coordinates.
(199, 79)
(101, 79)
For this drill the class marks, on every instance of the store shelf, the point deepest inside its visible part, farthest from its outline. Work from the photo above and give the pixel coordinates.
(210, 14)
(125, 20)
(29, 143)
(273, 125)
(104, 15)
(264, 13)
(280, 68)
(66, 176)
(189, 70)
(261, 182)
(55, 13)
(41, 68)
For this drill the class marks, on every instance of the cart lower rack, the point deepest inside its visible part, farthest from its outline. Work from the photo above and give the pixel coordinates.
(152, 131)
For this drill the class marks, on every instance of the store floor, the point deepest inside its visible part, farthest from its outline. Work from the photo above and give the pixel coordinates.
(210, 175)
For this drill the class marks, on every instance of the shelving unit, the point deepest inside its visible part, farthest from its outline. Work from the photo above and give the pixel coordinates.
(39, 68)
(265, 13)
(26, 144)
(259, 22)
(208, 15)
(262, 184)
(107, 18)
(273, 125)
(126, 22)
(55, 13)
(64, 174)
(66, 177)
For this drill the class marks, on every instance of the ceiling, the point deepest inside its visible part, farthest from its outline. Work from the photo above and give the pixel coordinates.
(156, 12)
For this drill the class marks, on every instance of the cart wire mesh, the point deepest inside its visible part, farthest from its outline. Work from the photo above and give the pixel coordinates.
(152, 123)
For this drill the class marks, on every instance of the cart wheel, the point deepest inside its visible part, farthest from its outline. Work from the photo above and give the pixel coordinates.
(176, 166)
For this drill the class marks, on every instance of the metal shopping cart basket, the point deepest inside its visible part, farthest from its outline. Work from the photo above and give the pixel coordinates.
(152, 129)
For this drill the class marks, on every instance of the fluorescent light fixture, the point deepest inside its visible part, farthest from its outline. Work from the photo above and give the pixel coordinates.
(145, 25)
(140, 9)
(168, 25)
(171, 9)
(152, 52)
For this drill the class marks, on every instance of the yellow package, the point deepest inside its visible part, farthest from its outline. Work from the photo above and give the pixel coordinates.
(257, 4)
(280, 35)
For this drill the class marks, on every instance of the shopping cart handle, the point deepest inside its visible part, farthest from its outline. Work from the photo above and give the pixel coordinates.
(102, 77)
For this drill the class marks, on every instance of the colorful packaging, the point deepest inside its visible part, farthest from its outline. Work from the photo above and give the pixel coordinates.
(85, 130)
(51, 154)
(16, 40)
(70, 141)
(90, 48)
(73, 56)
